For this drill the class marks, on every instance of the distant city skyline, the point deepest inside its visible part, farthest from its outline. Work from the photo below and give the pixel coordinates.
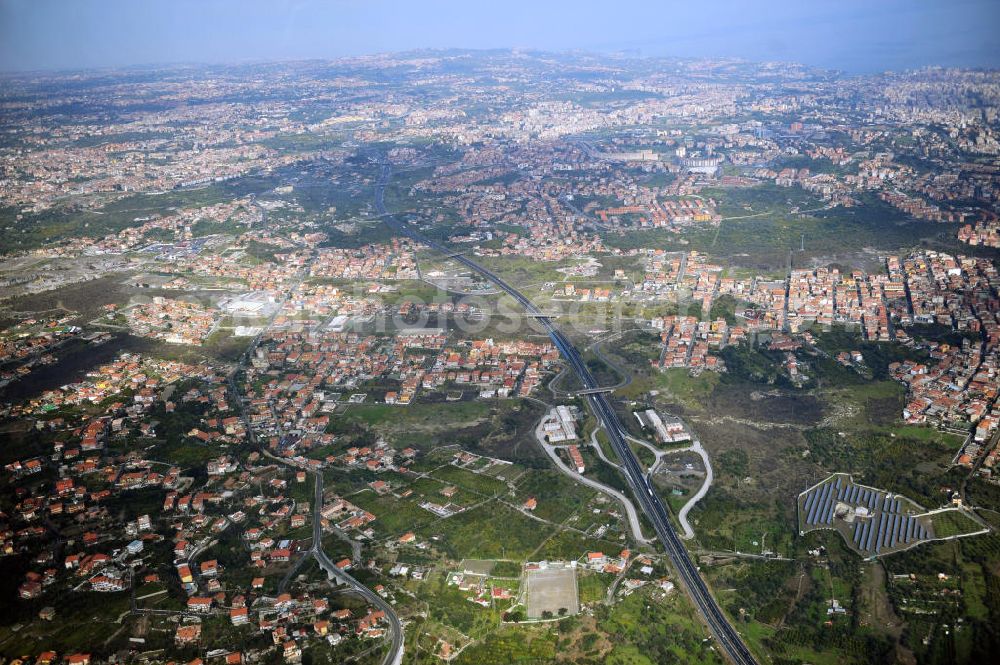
(851, 35)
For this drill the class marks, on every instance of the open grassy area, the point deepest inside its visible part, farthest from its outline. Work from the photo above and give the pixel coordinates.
(394, 516)
(593, 587)
(492, 531)
(567, 545)
(69, 220)
(645, 628)
(497, 428)
(523, 271)
(512, 645)
(477, 483)
(449, 606)
(908, 465)
(558, 496)
(420, 414)
(677, 384)
(954, 523)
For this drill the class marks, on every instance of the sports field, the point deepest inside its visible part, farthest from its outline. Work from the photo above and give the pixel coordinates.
(550, 590)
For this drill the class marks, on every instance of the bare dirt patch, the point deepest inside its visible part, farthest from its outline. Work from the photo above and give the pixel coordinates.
(551, 590)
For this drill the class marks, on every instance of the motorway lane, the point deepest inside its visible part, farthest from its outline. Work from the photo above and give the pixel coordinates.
(728, 638)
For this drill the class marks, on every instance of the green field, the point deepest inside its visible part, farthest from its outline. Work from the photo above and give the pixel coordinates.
(492, 531)
(954, 523)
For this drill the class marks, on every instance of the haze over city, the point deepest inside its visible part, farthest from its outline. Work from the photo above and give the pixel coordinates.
(851, 35)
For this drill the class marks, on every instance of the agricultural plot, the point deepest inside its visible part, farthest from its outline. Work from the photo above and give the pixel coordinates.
(487, 532)
(558, 497)
(393, 516)
(473, 482)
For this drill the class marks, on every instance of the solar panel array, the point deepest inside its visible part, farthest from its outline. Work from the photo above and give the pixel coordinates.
(886, 528)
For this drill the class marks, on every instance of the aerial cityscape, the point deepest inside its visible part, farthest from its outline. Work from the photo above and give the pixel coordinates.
(492, 354)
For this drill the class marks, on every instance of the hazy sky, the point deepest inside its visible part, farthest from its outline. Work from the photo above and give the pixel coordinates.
(855, 35)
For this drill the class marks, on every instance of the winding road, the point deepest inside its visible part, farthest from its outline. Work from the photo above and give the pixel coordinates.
(630, 512)
(729, 640)
(695, 447)
(395, 654)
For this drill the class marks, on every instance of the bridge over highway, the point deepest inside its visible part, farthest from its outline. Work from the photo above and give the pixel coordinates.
(594, 391)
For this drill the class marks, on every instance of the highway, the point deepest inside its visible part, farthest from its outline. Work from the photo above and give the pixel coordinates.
(727, 638)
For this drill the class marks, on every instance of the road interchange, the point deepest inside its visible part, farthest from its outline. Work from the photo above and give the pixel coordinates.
(729, 640)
